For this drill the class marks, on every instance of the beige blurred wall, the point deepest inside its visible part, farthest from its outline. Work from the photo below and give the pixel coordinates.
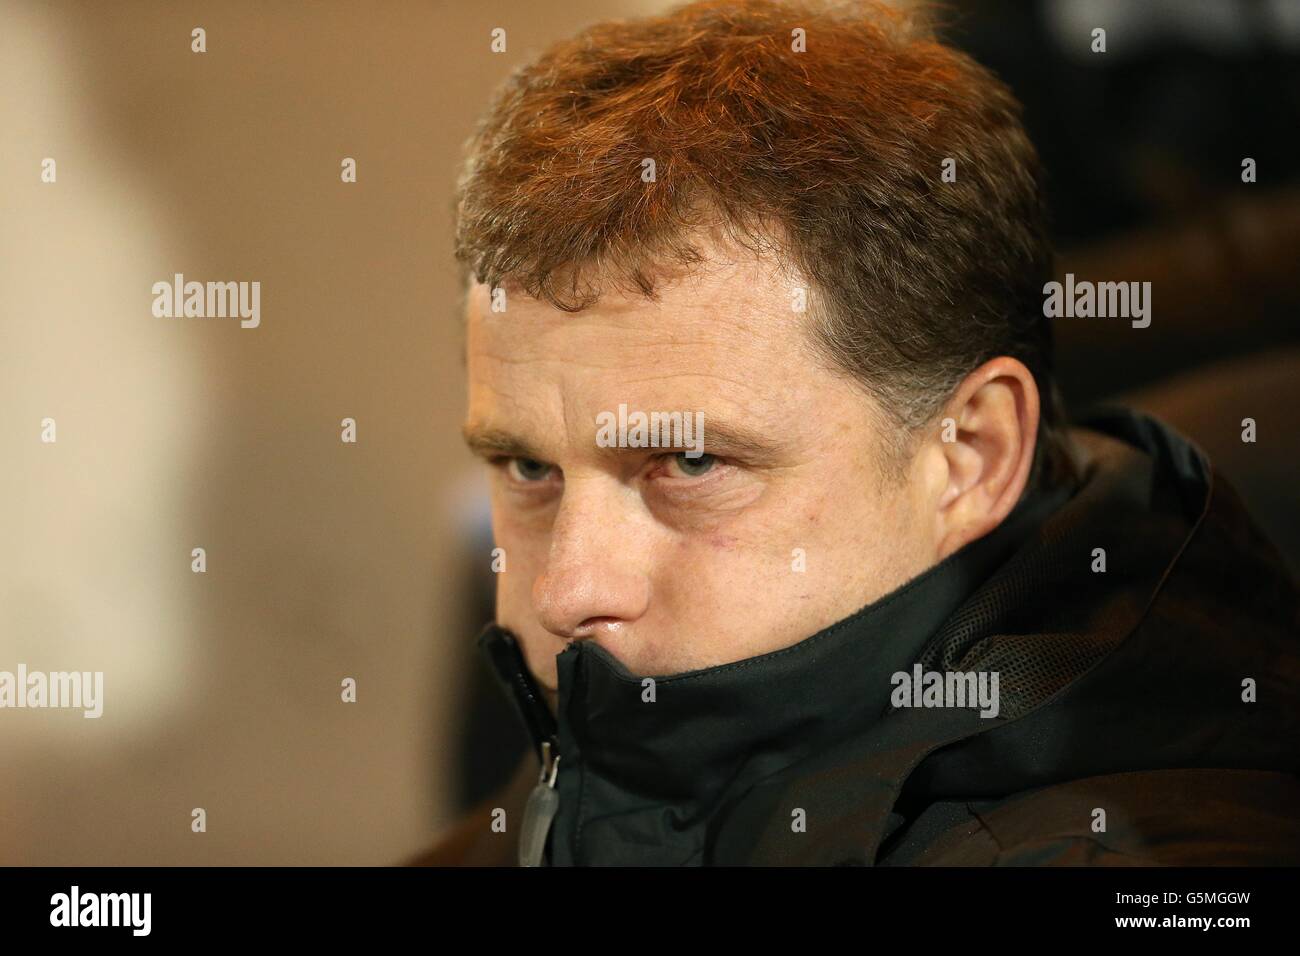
(325, 560)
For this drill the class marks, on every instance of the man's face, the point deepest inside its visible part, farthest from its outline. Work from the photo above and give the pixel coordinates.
(672, 563)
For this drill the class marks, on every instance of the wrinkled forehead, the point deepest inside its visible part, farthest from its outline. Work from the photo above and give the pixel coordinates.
(737, 315)
(728, 342)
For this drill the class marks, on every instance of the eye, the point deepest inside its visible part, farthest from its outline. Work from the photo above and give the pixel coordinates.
(693, 467)
(527, 470)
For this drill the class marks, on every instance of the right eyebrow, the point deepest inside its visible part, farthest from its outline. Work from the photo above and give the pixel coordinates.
(487, 442)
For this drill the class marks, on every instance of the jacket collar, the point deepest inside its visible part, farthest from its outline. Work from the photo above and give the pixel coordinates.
(711, 767)
(639, 779)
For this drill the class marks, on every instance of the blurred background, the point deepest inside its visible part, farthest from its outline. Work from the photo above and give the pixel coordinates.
(328, 560)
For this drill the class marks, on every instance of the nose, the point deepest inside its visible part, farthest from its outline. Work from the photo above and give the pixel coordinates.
(594, 582)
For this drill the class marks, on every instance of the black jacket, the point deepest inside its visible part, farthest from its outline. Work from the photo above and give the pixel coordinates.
(1122, 733)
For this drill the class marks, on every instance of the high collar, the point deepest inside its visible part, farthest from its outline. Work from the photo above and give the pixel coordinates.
(646, 761)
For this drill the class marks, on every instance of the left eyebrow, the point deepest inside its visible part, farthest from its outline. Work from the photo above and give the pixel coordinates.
(732, 440)
(728, 439)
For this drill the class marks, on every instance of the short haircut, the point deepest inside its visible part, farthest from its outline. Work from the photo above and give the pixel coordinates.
(832, 158)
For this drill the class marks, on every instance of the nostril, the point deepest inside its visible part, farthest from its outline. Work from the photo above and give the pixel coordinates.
(594, 625)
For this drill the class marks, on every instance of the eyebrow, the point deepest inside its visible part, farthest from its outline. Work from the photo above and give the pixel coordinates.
(488, 442)
(721, 438)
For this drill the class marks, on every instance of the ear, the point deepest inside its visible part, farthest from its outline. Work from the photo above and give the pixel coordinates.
(982, 452)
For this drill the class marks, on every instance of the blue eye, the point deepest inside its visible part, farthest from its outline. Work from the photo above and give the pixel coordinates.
(694, 467)
(528, 470)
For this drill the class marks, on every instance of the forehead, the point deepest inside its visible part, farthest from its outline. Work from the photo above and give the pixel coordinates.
(725, 340)
(741, 306)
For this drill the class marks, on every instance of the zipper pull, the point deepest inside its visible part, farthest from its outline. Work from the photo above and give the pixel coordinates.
(543, 803)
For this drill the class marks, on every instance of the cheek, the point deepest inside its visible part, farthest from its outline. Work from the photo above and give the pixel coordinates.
(512, 596)
(848, 528)
(894, 551)
(523, 550)
(742, 567)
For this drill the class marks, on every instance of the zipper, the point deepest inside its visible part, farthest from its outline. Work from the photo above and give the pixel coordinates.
(539, 813)
(507, 660)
